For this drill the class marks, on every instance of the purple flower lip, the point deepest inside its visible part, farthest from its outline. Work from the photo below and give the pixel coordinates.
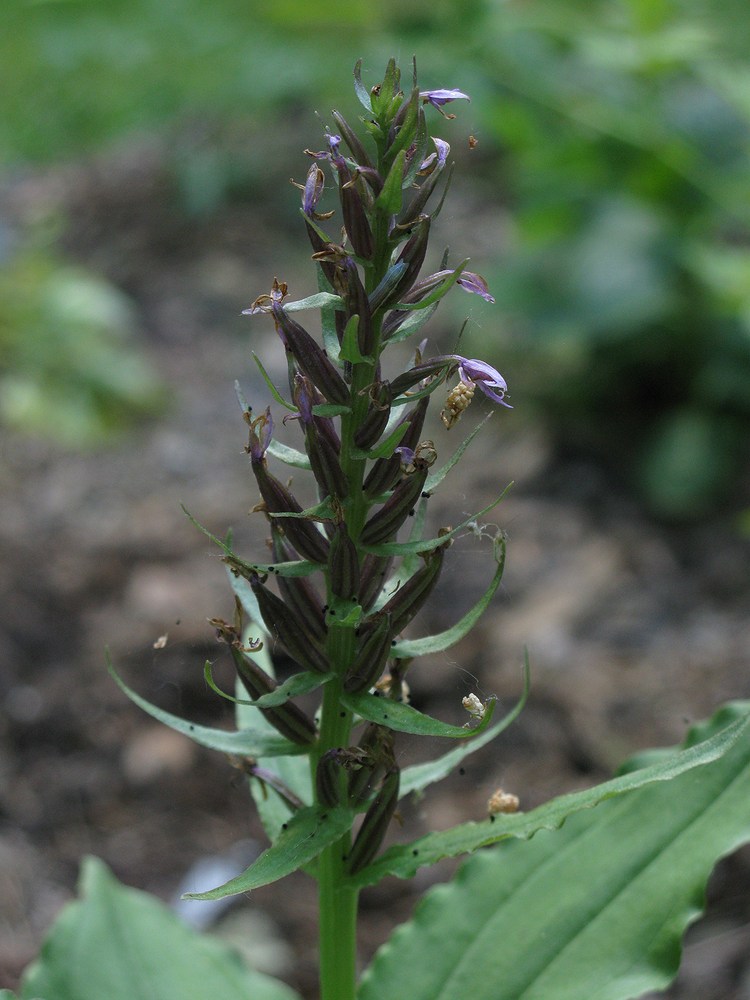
(439, 98)
(490, 381)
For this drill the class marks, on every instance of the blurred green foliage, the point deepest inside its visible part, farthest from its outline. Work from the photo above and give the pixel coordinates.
(70, 370)
(623, 132)
(614, 134)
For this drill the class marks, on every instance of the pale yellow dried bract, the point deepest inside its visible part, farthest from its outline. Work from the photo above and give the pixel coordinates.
(502, 802)
(161, 641)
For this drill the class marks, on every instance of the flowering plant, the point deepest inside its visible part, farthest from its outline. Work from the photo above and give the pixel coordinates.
(557, 916)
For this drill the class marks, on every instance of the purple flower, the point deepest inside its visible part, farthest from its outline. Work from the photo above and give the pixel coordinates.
(436, 159)
(475, 283)
(490, 381)
(438, 98)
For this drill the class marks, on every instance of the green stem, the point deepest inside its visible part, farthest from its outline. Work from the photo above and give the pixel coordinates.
(337, 900)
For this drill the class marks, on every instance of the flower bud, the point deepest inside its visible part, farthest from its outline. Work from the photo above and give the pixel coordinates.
(355, 218)
(288, 718)
(311, 358)
(375, 823)
(413, 255)
(352, 140)
(371, 658)
(284, 624)
(324, 459)
(358, 304)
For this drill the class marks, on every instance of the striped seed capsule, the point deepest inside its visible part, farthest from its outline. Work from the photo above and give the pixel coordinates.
(409, 598)
(288, 719)
(311, 358)
(371, 658)
(328, 773)
(384, 524)
(375, 823)
(358, 305)
(301, 533)
(283, 623)
(385, 471)
(298, 593)
(376, 418)
(376, 756)
(371, 578)
(413, 255)
(343, 563)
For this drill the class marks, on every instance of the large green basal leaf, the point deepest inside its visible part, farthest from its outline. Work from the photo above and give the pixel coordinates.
(120, 944)
(593, 910)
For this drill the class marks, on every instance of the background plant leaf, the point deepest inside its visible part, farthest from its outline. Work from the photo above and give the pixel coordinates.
(596, 909)
(123, 944)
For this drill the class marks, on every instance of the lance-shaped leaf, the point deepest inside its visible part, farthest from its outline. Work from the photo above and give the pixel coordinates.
(308, 832)
(287, 455)
(320, 300)
(390, 198)
(404, 860)
(414, 321)
(427, 544)
(405, 719)
(272, 388)
(596, 909)
(419, 776)
(435, 478)
(251, 742)
(293, 687)
(363, 95)
(294, 567)
(408, 648)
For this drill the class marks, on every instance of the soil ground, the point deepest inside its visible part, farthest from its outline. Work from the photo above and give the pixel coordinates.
(633, 630)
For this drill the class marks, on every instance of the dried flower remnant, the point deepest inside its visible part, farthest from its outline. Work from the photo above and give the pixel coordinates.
(475, 707)
(502, 802)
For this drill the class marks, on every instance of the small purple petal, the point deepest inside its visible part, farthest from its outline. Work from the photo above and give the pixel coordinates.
(489, 379)
(438, 98)
(475, 283)
(407, 454)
